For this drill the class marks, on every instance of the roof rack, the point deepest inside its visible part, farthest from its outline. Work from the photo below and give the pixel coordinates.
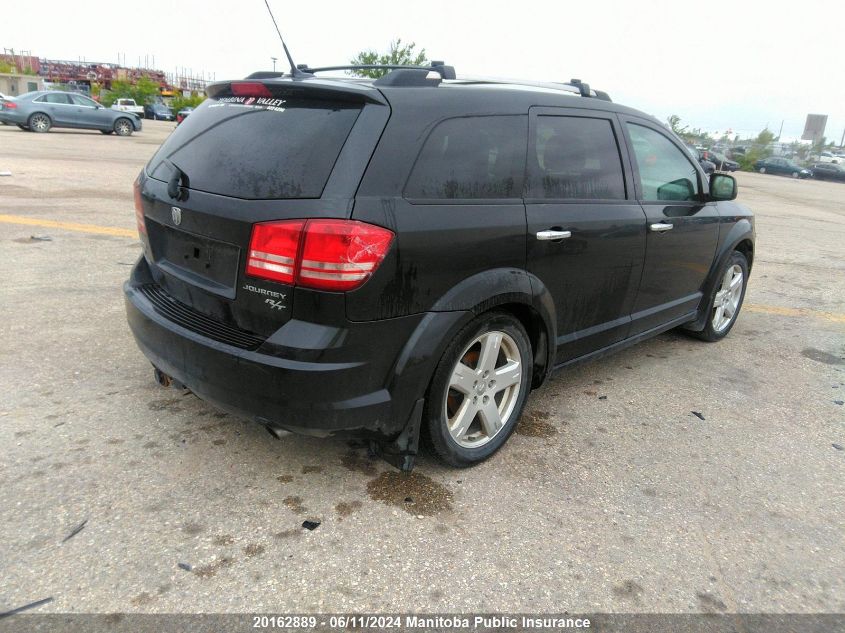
(574, 86)
(445, 72)
(410, 75)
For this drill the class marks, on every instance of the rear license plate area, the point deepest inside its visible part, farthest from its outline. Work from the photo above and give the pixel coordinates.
(199, 260)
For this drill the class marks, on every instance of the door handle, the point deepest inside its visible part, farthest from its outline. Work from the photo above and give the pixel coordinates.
(661, 227)
(553, 235)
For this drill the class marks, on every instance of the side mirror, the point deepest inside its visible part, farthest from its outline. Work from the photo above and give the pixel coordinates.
(722, 187)
(678, 190)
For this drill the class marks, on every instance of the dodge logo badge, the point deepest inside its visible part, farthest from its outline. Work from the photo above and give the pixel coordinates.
(176, 214)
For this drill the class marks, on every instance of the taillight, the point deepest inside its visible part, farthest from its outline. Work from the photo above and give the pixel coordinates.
(273, 249)
(341, 254)
(139, 210)
(322, 254)
(10, 105)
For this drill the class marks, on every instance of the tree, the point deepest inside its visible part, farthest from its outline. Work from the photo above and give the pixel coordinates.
(177, 103)
(765, 137)
(674, 122)
(818, 146)
(142, 91)
(399, 55)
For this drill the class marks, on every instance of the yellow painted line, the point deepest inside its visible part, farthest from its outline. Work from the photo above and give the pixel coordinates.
(795, 312)
(68, 226)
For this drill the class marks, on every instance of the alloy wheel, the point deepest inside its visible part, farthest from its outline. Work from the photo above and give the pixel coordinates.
(39, 123)
(484, 389)
(728, 296)
(123, 128)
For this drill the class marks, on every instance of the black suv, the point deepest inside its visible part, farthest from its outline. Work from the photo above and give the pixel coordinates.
(377, 257)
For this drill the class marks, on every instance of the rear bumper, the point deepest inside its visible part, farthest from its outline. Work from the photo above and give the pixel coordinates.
(12, 117)
(367, 386)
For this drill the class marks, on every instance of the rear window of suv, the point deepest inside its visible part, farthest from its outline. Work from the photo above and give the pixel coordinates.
(258, 152)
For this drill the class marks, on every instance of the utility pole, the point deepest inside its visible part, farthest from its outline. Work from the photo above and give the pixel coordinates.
(274, 63)
(842, 142)
(781, 129)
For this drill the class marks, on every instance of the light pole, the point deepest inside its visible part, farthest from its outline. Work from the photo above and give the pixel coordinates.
(274, 63)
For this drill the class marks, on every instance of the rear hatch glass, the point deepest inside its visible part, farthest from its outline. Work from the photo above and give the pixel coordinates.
(257, 148)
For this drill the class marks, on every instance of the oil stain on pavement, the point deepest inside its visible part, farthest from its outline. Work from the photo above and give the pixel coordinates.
(414, 492)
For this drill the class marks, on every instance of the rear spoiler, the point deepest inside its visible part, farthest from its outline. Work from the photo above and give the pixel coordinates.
(289, 88)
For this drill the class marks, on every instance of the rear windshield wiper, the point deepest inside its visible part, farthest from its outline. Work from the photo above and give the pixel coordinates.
(177, 186)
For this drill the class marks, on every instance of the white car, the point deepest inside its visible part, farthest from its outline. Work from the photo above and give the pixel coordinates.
(828, 157)
(128, 105)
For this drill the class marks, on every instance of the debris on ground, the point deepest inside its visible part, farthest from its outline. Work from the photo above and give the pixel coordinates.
(185, 566)
(40, 238)
(838, 447)
(698, 414)
(602, 397)
(26, 607)
(75, 531)
(5, 173)
(310, 525)
(839, 402)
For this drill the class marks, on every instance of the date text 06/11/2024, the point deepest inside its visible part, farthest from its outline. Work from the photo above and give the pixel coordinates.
(423, 622)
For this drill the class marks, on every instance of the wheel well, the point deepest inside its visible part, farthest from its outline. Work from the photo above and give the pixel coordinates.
(747, 249)
(537, 335)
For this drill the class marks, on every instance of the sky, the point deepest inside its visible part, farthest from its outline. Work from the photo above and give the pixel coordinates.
(739, 65)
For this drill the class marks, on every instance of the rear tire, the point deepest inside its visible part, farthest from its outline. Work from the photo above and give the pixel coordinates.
(725, 299)
(123, 127)
(479, 389)
(762, 170)
(39, 122)
(795, 174)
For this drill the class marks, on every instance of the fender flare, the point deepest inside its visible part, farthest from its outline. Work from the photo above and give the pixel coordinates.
(742, 230)
(475, 295)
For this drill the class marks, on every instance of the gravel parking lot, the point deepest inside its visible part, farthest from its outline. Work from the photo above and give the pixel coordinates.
(676, 476)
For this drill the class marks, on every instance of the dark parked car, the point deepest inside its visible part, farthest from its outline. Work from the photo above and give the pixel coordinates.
(708, 166)
(158, 112)
(377, 257)
(777, 165)
(42, 110)
(828, 171)
(722, 162)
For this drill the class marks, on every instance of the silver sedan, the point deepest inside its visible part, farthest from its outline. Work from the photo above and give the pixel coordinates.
(42, 110)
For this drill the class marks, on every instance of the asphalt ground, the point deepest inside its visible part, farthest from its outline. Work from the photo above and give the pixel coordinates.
(612, 496)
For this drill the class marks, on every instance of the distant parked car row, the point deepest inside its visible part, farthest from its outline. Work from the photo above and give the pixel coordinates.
(819, 171)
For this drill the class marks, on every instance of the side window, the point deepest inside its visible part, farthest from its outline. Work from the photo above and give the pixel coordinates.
(83, 101)
(54, 98)
(471, 157)
(575, 158)
(665, 172)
